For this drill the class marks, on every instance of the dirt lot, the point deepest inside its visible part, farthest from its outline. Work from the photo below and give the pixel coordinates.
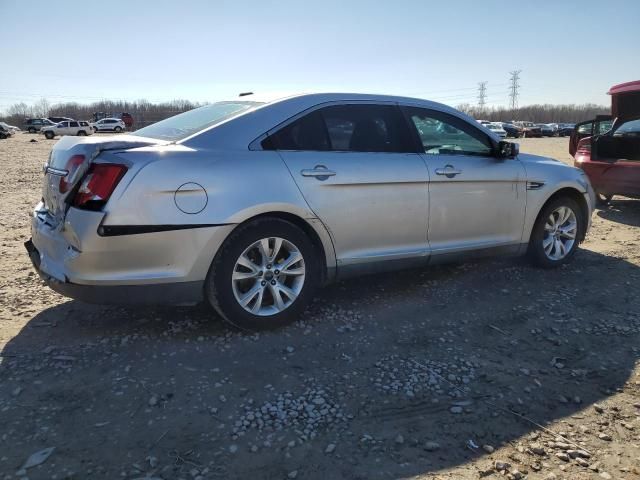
(395, 376)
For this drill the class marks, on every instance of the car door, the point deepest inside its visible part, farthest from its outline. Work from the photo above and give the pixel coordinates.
(62, 128)
(358, 170)
(73, 128)
(476, 200)
(601, 124)
(615, 160)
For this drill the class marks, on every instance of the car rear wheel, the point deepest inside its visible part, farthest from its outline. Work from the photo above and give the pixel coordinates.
(264, 275)
(49, 135)
(556, 233)
(82, 133)
(31, 130)
(117, 129)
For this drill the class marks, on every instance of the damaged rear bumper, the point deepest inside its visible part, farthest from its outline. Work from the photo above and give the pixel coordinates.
(180, 293)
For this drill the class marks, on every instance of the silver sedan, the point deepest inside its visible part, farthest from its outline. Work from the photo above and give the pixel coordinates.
(251, 204)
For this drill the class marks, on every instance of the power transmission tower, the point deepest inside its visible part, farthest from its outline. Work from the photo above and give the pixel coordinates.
(482, 95)
(513, 89)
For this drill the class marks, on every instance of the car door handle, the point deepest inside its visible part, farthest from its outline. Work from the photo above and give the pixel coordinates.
(319, 171)
(448, 171)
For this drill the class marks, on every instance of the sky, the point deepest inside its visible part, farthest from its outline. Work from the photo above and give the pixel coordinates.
(568, 51)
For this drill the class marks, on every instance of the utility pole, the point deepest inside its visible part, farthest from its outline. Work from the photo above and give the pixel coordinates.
(482, 95)
(513, 89)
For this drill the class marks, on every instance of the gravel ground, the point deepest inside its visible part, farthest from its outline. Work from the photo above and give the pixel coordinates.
(489, 369)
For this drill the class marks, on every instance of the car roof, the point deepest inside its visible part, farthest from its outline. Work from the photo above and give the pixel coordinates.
(625, 88)
(278, 108)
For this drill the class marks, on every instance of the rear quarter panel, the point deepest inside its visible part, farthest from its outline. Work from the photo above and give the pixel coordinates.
(239, 185)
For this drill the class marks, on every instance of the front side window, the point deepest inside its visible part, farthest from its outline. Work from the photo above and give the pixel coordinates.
(443, 134)
(603, 127)
(346, 128)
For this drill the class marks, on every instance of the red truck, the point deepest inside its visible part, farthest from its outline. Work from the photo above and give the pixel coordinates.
(607, 148)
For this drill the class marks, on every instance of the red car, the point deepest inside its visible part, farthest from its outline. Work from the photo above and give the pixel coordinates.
(609, 150)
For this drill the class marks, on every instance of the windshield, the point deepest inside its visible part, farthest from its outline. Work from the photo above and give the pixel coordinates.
(187, 123)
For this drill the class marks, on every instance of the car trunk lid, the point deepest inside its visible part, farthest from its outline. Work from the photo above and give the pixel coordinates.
(69, 161)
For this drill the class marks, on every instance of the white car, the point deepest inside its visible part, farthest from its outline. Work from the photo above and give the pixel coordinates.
(79, 128)
(109, 125)
(497, 129)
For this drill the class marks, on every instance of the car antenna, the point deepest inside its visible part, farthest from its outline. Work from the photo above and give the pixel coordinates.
(244, 94)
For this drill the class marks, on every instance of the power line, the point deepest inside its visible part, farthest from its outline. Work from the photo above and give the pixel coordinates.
(513, 95)
(482, 95)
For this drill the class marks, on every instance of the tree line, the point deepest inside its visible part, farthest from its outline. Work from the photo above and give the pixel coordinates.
(145, 112)
(545, 113)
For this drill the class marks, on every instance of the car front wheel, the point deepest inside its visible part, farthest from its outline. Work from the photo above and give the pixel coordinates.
(264, 275)
(117, 129)
(49, 135)
(556, 233)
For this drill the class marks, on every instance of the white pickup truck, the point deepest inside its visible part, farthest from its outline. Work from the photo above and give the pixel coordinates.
(79, 128)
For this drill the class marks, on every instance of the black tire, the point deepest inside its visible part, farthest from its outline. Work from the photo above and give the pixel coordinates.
(95, 130)
(218, 284)
(117, 129)
(31, 130)
(49, 135)
(536, 251)
(82, 133)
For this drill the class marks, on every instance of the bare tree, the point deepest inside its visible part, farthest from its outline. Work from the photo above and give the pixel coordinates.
(41, 108)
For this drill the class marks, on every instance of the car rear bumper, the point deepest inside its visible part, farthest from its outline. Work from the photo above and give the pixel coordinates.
(179, 293)
(126, 267)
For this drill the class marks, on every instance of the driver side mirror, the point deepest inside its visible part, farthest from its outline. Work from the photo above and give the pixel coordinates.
(507, 149)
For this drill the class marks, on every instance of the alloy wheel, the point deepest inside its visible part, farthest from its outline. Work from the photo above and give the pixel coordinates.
(560, 231)
(268, 276)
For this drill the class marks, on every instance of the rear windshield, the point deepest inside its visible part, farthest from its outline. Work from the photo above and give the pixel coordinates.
(187, 123)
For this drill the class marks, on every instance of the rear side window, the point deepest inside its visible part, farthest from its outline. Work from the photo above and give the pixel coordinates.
(346, 128)
(73, 124)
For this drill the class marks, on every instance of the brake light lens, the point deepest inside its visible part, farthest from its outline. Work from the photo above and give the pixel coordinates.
(71, 167)
(98, 185)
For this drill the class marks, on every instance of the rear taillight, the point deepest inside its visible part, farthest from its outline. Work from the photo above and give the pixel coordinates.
(584, 149)
(98, 185)
(71, 167)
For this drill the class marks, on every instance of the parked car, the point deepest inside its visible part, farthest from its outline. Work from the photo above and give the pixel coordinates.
(548, 129)
(60, 119)
(497, 129)
(124, 116)
(529, 129)
(565, 129)
(5, 131)
(512, 130)
(610, 155)
(80, 128)
(33, 125)
(109, 125)
(251, 205)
